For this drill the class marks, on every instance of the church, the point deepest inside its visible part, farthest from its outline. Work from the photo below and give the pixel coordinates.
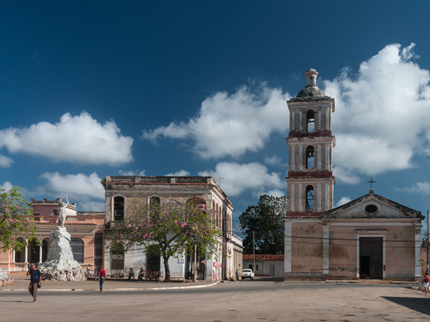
(371, 237)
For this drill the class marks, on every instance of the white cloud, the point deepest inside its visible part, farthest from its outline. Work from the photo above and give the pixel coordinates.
(275, 161)
(345, 175)
(230, 125)
(236, 178)
(381, 114)
(76, 139)
(5, 162)
(78, 187)
(420, 187)
(91, 206)
(343, 201)
(275, 193)
(6, 186)
(180, 173)
(132, 173)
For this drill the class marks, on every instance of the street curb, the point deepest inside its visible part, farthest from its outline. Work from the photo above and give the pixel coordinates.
(113, 289)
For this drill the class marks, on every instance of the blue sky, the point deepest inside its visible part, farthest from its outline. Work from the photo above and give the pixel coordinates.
(96, 88)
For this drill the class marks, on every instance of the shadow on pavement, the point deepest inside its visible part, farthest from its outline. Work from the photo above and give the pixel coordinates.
(417, 304)
(269, 278)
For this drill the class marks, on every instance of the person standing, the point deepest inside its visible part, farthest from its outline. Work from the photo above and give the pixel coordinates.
(237, 275)
(102, 274)
(426, 282)
(35, 279)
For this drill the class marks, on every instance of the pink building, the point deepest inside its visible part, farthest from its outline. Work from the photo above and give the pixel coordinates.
(86, 230)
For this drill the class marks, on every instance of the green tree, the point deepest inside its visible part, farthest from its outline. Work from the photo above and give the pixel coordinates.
(15, 220)
(267, 221)
(166, 228)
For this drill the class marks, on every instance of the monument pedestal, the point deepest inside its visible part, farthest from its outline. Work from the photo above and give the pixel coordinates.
(60, 264)
(5, 279)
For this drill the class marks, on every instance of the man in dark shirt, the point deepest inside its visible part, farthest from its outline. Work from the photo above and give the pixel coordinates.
(35, 278)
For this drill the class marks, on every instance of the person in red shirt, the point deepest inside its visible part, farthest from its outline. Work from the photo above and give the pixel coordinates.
(102, 274)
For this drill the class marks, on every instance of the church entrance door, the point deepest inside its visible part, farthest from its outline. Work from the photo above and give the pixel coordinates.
(371, 257)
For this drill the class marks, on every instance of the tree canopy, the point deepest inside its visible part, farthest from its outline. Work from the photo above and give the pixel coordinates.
(15, 220)
(267, 221)
(167, 227)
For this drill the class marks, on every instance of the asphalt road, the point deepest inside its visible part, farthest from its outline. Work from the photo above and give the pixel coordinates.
(243, 301)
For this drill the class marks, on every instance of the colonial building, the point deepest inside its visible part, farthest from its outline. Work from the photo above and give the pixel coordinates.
(265, 264)
(86, 230)
(370, 237)
(122, 190)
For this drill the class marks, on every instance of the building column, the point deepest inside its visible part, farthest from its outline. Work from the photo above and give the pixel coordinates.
(13, 257)
(417, 251)
(40, 252)
(326, 242)
(287, 246)
(26, 253)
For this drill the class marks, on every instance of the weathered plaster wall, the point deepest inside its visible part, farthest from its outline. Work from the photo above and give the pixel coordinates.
(306, 253)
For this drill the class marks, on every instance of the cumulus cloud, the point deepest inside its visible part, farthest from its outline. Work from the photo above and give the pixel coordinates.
(345, 175)
(6, 186)
(230, 125)
(77, 139)
(343, 201)
(180, 173)
(91, 206)
(78, 187)
(132, 173)
(420, 187)
(275, 161)
(5, 162)
(381, 114)
(236, 178)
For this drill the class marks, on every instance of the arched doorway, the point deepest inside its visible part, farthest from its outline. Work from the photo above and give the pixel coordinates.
(45, 249)
(34, 251)
(153, 260)
(20, 255)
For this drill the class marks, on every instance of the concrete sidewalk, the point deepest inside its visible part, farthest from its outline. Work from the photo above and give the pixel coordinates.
(21, 284)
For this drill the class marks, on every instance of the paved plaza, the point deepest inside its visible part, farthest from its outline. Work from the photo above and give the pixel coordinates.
(243, 301)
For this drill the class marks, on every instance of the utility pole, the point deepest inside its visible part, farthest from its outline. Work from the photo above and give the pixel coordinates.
(253, 252)
(427, 266)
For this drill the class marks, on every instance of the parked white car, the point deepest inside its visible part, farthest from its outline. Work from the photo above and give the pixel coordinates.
(247, 273)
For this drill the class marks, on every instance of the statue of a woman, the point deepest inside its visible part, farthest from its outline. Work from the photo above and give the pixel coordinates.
(62, 215)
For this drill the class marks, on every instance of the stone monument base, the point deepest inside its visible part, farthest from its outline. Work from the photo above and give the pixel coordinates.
(62, 270)
(5, 279)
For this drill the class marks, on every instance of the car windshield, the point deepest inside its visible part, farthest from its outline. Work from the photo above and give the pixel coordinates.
(247, 270)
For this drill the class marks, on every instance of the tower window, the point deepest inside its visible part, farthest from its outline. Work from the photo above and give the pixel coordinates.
(310, 121)
(310, 197)
(118, 208)
(310, 157)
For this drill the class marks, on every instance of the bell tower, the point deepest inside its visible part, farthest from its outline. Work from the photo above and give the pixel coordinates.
(310, 180)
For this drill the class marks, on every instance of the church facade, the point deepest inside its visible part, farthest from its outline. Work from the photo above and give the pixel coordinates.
(371, 237)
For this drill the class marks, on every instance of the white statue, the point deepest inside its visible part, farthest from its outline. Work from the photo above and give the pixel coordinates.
(60, 264)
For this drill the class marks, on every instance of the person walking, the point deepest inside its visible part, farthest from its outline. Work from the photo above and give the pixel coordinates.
(237, 275)
(426, 282)
(102, 274)
(35, 279)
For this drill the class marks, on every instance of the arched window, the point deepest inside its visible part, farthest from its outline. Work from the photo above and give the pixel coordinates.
(118, 208)
(34, 251)
(77, 246)
(156, 201)
(45, 249)
(310, 197)
(310, 157)
(20, 256)
(310, 121)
